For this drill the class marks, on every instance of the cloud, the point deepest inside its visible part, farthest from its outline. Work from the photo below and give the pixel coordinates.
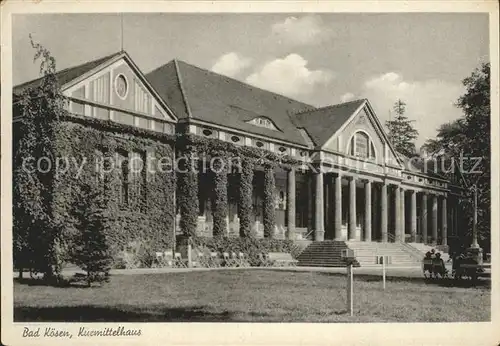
(289, 76)
(231, 64)
(430, 102)
(301, 31)
(347, 97)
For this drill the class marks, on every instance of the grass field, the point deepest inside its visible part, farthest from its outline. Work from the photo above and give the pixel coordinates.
(252, 296)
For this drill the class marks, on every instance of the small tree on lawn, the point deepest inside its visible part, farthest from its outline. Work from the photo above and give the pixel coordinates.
(91, 252)
(402, 134)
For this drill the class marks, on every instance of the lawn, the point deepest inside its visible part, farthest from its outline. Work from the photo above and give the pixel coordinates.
(251, 296)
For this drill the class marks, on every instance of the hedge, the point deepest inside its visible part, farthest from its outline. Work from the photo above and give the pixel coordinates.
(251, 247)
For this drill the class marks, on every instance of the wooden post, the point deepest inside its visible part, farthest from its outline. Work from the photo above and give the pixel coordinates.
(384, 258)
(349, 289)
(190, 262)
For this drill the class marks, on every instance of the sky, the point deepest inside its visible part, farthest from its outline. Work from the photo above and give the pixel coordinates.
(319, 59)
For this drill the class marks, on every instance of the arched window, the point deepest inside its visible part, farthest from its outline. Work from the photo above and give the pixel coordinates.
(361, 146)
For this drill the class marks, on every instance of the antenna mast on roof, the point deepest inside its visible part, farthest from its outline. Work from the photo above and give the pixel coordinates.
(121, 32)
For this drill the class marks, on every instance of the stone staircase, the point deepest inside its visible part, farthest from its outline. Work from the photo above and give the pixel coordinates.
(366, 253)
(423, 248)
(323, 254)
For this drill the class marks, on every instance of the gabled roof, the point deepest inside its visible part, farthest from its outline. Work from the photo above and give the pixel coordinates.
(68, 74)
(73, 75)
(193, 92)
(322, 123)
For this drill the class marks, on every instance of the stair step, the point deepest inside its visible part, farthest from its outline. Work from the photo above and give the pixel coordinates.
(323, 254)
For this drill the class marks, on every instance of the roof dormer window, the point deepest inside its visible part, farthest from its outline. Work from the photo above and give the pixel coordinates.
(264, 122)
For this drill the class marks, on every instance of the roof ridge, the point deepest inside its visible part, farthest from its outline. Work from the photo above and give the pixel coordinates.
(181, 88)
(243, 83)
(327, 107)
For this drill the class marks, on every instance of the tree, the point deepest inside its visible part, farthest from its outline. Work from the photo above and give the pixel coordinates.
(35, 234)
(402, 134)
(91, 251)
(469, 138)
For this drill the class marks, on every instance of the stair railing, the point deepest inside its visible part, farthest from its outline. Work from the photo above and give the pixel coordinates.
(415, 253)
(308, 234)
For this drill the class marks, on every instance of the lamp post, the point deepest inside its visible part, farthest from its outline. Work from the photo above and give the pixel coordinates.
(474, 219)
(474, 249)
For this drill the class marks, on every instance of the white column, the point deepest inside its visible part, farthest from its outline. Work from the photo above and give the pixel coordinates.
(383, 210)
(434, 219)
(413, 215)
(444, 229)
(424, 218)
(403, 219)
(319, 221)
(397, 213)
(368, 211)
(338, 206)
(352, 209)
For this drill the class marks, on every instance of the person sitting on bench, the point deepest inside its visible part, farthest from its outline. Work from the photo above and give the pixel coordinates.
(427, 263)
(438, 265)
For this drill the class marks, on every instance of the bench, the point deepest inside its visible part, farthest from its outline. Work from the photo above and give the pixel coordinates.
(281, 259)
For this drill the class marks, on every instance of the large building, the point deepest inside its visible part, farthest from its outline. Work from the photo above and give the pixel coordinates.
(348, 183)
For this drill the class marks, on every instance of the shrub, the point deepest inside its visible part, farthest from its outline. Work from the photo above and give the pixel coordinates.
(136, 254)
(251, 247)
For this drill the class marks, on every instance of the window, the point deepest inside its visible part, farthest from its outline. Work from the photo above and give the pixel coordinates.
(137, 178)
(361, 146)
(123, 177)
(142, 99)
(263, 122)
(207, 132)
(101, 89)
(121, 86)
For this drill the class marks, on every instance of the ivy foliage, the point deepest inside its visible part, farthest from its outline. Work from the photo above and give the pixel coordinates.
(46, 228)
(249, 158)
(35, 233)
(245, 205)
(187, 194)
(220, 202)
(269, 214)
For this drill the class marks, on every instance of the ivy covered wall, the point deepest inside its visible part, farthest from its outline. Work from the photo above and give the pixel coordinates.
(245, 159)
(141, 209)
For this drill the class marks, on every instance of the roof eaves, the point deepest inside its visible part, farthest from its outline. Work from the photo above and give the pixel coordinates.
(381, 128)
(181, 87)
(20, 87)
(111, 59)
(343, 126)
(325, 107)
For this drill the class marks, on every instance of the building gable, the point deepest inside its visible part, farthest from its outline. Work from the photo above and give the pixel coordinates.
(115, 85)
(363, 130)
